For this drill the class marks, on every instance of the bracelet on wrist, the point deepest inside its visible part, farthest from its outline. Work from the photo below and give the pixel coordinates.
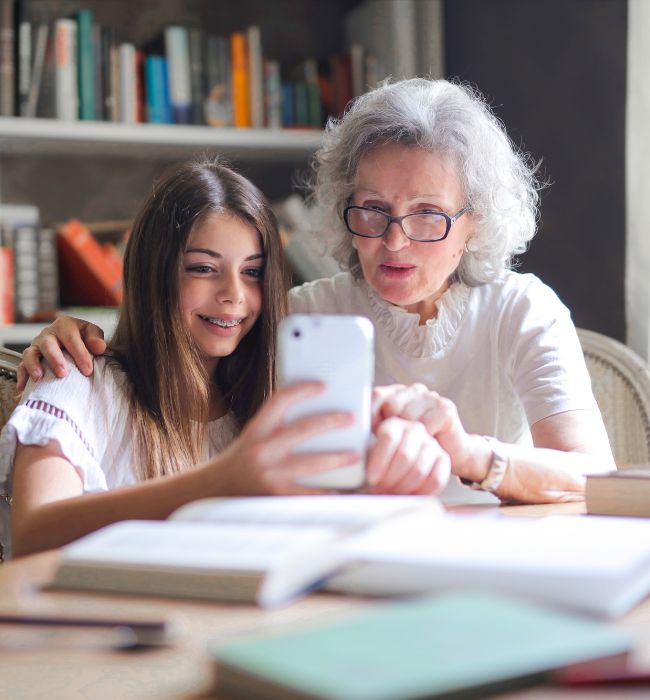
(499, 464)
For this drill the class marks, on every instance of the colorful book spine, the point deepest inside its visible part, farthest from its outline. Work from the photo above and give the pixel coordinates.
(301, 105)
(86, 64)
(128, 84)
(24, 56)
(98, 69)
(108, 42)
(180, 81)
(65, 75)
(140, 105)
(115, 81)
(25, 252)
(7, 74)
(6, 279)
(48, 272)
(240, 81)
(272, 95)
(40, 41)
(314, 109)
(155, 73)
(288, 107)
(218, 103)
(196, 42)
(256, 76)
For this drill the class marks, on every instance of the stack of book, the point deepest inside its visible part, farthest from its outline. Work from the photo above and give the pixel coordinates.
(625, 492)
(29, 280)
(44, 267)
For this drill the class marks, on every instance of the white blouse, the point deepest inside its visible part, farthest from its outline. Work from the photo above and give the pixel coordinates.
(506, 353)
(89, 418)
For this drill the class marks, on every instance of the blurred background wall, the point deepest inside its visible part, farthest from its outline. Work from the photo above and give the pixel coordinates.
(555, 72)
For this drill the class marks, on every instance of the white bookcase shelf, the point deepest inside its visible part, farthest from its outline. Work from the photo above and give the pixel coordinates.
(23, 333)
(21, 136)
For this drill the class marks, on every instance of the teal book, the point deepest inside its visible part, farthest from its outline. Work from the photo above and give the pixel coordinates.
(86, 64)
(449, 646)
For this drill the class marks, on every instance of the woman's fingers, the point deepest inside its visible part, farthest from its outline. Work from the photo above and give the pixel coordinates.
(434, 466)
(406, 459)
(66, 333)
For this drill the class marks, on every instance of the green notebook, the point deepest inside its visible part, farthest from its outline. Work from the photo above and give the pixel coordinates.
(451, 646)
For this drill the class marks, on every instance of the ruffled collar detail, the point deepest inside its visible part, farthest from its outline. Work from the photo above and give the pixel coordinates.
(429, 339)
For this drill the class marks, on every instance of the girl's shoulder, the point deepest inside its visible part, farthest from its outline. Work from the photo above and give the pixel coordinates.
(106, 378)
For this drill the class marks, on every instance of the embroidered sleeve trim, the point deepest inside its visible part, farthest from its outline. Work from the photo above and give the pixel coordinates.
(45, 407)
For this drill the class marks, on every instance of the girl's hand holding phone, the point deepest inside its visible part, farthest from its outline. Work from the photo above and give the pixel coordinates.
(262, 460)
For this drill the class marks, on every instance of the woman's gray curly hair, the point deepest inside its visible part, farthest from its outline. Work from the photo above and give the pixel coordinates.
(450, 119)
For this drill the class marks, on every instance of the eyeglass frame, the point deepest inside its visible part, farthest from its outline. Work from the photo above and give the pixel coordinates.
(450, 221)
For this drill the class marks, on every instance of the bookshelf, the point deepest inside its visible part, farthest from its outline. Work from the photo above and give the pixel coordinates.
(19, 335)
(52, 137)
(101, 170)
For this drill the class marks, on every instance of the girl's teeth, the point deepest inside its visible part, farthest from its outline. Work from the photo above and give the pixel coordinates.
(221, 322)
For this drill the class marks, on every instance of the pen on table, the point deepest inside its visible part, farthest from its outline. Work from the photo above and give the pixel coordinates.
(136, 632)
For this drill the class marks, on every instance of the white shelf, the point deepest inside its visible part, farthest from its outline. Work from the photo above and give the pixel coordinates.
(22, 136)
(23, 333)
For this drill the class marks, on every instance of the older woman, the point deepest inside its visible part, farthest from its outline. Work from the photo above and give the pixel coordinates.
(428, 202)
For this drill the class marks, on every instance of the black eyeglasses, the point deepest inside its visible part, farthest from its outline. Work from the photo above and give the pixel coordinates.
(424, 227)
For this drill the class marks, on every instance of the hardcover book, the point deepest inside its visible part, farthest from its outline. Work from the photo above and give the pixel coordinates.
(450, 646)
(270, 550)
(266, 550)
(89, 272)
(241, 102)
(620, 492)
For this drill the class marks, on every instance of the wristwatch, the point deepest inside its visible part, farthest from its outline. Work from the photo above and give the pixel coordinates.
(498, 467)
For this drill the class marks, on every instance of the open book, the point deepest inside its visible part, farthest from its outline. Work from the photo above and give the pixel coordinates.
(266, 550)
(270, 550)
(596, 565)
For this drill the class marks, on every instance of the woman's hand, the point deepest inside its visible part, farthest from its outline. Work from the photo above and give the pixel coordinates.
(80, 338)
(261, 461)
(470, 455)
(405, 459)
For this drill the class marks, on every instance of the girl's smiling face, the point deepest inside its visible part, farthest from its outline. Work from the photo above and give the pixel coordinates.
(220, 285)
(400, 180)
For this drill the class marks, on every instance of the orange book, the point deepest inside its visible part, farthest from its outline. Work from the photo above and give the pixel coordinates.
(6, 285)
(241, 101)
(90, 273)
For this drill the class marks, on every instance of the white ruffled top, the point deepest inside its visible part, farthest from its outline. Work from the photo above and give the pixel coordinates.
(404, 327)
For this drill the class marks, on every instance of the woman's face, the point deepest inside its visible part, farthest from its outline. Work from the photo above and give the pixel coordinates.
(221, 284)
(404, 180)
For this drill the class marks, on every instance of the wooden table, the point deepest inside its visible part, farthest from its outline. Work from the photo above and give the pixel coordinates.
(70, 665)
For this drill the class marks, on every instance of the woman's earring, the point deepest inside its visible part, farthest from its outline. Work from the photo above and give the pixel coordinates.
(471, 245)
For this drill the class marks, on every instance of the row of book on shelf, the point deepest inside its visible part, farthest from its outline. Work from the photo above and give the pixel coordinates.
(74, 68)
(44, 267)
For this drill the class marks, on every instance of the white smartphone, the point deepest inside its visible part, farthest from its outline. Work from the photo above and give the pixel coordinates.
(337, 350)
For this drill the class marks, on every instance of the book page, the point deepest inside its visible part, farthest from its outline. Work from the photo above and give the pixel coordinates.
(346, 512)
(177, 545)
(559, 544)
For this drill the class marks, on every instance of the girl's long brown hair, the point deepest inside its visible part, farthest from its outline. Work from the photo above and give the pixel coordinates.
(169, 387)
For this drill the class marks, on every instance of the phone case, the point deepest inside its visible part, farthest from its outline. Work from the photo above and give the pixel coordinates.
(339, 351)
